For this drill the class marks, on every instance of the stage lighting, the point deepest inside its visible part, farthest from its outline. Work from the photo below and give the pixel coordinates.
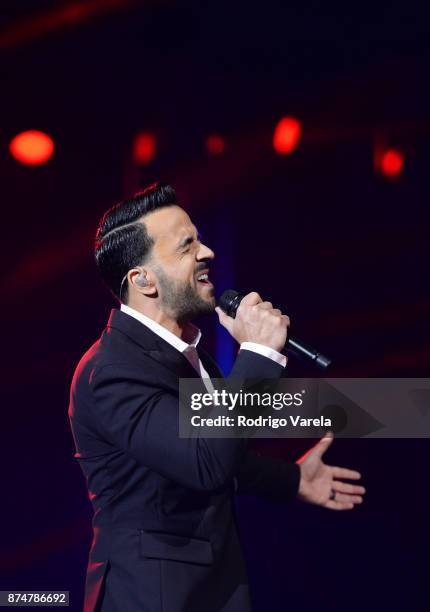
(286, 135)
(32, 148)
(144, 148)
(215, 144)
(392, 162)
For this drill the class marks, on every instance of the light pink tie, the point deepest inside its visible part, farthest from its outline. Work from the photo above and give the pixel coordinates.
(193, 357)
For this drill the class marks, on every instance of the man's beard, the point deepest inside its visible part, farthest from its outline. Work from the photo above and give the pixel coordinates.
(180, 299)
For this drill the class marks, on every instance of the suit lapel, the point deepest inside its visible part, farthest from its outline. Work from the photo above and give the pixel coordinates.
(155, 346)
(210, 364)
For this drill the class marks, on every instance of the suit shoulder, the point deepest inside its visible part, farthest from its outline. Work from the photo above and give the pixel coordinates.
(90, 361)
(113, 348)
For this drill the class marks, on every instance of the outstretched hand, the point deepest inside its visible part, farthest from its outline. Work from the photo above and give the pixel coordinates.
(319, 482)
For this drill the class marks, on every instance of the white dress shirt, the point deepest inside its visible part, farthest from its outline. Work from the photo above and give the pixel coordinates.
(192, 336)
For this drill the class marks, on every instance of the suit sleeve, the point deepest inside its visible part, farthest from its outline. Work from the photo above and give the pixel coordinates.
(141, 418)
(272, 479)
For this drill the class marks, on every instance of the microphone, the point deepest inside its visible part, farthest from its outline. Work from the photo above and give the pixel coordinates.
(229, 303)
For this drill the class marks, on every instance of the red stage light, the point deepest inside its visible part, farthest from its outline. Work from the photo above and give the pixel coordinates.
(215, 144)
(144, 148)
(286, 136)
(32, 148)
(392, 163)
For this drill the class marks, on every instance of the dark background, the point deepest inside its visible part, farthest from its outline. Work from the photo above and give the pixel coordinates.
(319, 232)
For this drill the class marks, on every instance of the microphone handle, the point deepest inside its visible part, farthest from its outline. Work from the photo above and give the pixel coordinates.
(305, 350)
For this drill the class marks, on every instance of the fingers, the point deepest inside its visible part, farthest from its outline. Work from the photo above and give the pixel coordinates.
(265, 305)
(251, 299)
(347, 495)
(268, 306)
(269, 311)
(286, 320)
(321, 446)
(344, 502)
(221, 314)
(339, 472)
(333, 505)
(254, 299)
(224, 319)
(348, 499)
(344, 487)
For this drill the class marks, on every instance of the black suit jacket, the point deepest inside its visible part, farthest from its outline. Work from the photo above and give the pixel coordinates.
(165, 538)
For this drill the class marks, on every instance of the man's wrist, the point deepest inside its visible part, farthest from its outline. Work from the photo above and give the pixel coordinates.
(266, 351)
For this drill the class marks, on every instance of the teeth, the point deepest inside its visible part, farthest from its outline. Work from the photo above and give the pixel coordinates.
(203, 277)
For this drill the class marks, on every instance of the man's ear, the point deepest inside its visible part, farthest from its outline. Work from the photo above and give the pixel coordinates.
(140, 279)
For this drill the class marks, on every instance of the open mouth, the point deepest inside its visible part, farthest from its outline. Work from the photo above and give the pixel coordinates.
(203, 279)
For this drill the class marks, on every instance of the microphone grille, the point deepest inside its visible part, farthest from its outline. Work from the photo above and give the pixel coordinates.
(228, 302)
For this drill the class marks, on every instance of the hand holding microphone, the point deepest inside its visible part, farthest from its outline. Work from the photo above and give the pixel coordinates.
(249, 319)
(256, 321)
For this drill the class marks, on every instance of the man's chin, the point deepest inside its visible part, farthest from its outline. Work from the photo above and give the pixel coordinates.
(207, 294)
(212, 302)
(208, 304)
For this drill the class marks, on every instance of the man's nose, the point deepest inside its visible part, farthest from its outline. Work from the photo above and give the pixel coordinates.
(205, 252)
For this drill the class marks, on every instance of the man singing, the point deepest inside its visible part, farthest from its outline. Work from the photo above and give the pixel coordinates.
(165, 537)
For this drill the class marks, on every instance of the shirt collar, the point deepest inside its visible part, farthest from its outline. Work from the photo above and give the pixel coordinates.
(192, 333)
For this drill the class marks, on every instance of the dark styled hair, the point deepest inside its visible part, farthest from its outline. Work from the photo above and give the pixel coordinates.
(122, 240)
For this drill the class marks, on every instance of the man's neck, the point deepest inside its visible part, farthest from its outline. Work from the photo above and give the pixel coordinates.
(161, 318)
